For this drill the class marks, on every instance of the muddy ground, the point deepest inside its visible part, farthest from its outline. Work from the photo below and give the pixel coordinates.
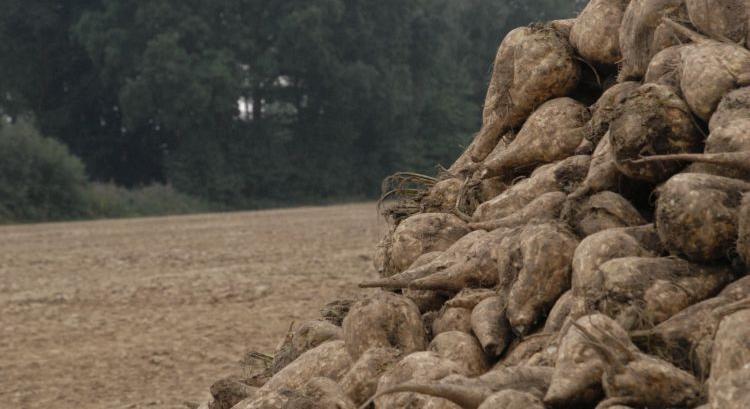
(147, 313)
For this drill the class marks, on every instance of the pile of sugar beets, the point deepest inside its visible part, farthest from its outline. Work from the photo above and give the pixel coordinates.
(589, 249)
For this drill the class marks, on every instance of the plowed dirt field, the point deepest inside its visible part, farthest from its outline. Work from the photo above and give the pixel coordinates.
(147, 313)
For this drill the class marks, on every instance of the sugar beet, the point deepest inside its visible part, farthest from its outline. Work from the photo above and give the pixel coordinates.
(551, 133)
(533, 65)
(696, 215)
(361, 381)
(593, 35)
(644, 291)
(562, 176)
(490, 325)
(384, 320)
(652, 120)
(424, 233)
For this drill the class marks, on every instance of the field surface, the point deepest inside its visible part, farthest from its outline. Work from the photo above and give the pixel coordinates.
(147, 313)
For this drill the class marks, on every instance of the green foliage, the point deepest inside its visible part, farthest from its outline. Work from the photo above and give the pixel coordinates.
(107, 200)
(340, 93)
(39, 178)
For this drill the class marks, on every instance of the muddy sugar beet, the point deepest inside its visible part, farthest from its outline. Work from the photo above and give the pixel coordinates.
(533, 65)
(697, 215)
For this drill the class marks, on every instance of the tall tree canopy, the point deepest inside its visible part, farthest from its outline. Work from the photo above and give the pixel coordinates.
(246, 100)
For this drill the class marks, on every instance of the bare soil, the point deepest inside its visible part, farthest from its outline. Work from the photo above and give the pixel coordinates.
(147, 313)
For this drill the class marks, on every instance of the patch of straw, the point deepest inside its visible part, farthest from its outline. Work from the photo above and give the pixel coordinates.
(404, 192)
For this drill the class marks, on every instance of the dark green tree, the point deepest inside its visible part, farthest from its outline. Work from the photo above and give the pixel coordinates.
(44, 70)
(241, 101)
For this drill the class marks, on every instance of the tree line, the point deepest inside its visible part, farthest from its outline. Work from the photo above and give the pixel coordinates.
(244, 101)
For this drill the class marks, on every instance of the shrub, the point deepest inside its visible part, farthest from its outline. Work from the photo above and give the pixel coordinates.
(108, 200)
(39, 178)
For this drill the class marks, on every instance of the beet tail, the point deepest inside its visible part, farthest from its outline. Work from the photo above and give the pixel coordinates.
(735, 159)
(454, 278)
(402, 280)
(464, 396)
